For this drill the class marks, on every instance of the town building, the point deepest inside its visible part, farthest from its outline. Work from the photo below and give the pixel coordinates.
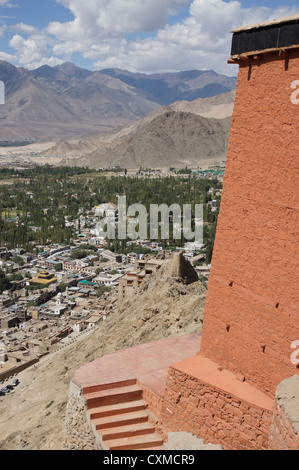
(44, 278)
(108, 280)
(130, 283)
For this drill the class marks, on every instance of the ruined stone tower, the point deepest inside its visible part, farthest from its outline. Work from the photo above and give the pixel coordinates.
(251, 316)
(182, 269)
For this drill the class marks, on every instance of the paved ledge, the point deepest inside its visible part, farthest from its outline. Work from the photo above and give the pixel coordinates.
(148, 363)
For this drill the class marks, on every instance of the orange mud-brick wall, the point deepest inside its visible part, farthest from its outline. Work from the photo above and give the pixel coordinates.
(252, 310)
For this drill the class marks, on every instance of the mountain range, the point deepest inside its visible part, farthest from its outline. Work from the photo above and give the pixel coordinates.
(65, 100)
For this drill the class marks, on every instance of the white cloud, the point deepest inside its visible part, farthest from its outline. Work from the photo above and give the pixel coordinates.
(100, 28)
(7, 3)
(118, 17)
(3, 28)
(202, 41)
(34, 51)
(7, 57)
(24, 28)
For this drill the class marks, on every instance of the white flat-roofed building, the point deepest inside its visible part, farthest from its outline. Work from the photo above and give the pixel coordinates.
(108, 280)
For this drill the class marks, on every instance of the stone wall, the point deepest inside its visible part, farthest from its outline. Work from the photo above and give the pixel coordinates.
(155, 408)
(213, 414)
(78, 434)
(154, 401)
(251, 314)
(17, 369)
(284, 432)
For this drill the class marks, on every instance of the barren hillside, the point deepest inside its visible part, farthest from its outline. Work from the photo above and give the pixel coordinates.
(33, 417)
(184, 133)
(174, 139)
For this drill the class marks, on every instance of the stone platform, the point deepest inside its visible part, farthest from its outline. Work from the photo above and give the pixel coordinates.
(148, 363)
(116, 402)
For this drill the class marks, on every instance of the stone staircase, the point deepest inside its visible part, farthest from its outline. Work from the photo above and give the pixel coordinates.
(120, 415)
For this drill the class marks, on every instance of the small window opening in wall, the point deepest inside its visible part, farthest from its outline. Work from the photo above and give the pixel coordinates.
(277, 305)
(263, 348)
(231, 283)
(228, 328)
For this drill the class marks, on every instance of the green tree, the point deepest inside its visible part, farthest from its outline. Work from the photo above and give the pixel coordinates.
(102, 290)
(4, 282)
(79, 254)
(209, 253)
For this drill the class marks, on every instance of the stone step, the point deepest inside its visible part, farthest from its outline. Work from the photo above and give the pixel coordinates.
(118, 412)
(120, 420)
(131, 430)
(118, 408)
(109, 386)
(138, 442)
(113, 395)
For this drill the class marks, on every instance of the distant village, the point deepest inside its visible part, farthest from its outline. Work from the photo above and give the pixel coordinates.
(58, 298)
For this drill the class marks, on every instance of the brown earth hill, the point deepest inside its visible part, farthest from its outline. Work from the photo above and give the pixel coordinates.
(173, 139)
(185, 132)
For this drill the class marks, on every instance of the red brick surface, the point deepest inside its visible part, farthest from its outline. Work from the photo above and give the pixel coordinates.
(251, 315)
(154, 400)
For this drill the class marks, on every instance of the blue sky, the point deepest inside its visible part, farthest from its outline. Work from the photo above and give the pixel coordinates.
(139, 35)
